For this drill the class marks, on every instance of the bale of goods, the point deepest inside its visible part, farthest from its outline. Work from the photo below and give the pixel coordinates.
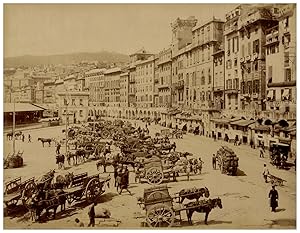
(228, 160)
(15, 161)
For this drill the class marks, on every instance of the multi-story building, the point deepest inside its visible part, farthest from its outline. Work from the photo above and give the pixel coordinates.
(96, 81)
(124, 89)
(219, 79)
(73, 104)
(207, 39)
(232, 60)
(252, 26)
(49, 92)
(281, 65)
(112, 87)
(164, 77)
(181, 37)
(144, 81)
(156, 83)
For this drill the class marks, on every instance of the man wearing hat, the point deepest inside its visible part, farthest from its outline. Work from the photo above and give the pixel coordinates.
(273, 195)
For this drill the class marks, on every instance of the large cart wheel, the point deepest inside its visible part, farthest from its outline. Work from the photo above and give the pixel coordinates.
(160, 215)
(92, 189)
(27, 193)
(154, 175)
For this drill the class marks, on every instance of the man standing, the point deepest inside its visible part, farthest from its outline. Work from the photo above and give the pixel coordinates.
(261, 154)
(29, 138)
(265, 173)
(23, 137)
(214, 161)
(91, 214)
(273, 195)
(125, 180)
(58, 148)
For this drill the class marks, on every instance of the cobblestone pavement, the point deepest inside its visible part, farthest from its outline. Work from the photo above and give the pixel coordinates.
(244, 197)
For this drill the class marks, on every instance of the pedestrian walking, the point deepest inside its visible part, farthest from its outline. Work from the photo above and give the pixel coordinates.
(29, 138)
(265, 173)
(273, 196)
(58, 148)
(23, 137)
(214, 162)
(58, 161)
(261, 154)
(78, 223)
(125, 181)
(91, 214)
(188, 170)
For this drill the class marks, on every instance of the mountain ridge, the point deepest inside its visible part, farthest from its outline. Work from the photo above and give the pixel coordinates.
(64, 59)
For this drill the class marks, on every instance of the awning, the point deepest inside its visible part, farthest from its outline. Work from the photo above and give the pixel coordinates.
(270, 95)
(225, 120)
(21, 107)
(262, 128)
(243, 123)
(285, 93)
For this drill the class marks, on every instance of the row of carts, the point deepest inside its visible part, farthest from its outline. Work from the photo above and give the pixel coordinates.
(80, 187)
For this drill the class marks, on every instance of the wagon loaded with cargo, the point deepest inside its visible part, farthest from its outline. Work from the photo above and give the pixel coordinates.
(227, 161)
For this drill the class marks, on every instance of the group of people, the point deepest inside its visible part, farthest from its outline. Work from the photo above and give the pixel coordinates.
(121, 175)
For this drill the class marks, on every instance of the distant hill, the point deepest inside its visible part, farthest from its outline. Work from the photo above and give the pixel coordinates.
(28, 60)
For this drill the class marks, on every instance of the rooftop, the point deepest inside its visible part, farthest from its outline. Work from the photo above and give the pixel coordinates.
(21, 107)
(113, 70)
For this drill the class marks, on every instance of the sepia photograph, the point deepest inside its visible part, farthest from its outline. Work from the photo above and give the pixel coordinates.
(149, 116)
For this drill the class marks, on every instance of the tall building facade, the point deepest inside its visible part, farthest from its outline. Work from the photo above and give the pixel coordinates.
(96, 86)
(281, 65)
(232, 59)
(112, 87)
(164, 77)
(124, 89)
(253, 23)
(144, 81)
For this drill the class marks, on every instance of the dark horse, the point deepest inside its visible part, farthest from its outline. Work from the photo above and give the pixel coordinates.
(194, 193)
(51, 200)
(202, 207)
(43, 140)
(116, 160)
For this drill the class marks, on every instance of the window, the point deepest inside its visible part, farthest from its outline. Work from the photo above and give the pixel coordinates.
(286, 22)
(81, 113)
(249, 87)
(249, 48)
(81, 102)
(228, 49)
(256, 46)
(236, 100)
(288, 75)
(237, 83)
(209, 77)
(256, 86)
(255, 66)
(270, 70)
(286, 59)
(235, 62)
(203, 80)
(243, 87)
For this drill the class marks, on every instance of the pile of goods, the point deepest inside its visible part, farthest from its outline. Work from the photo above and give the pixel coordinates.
(197, 203)
(227, 160)
(13, 161)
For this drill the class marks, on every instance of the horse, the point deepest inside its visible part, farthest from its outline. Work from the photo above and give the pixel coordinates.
(193, 193)
(43, 140)
(53, 199)
(202, 207)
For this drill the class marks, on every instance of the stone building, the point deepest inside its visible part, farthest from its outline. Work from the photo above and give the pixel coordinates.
(96, 82)
(253, 23)
(164, 77)
(124, 89)
(144, 81)
(112, 87)
(281, 65)
(219, 79)
(73, 105)
(232, 59)
(181, 37)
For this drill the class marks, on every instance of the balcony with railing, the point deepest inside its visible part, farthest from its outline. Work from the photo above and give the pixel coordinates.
(272, 36)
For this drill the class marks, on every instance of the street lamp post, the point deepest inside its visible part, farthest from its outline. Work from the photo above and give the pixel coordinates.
(14, 126)
(67, 118)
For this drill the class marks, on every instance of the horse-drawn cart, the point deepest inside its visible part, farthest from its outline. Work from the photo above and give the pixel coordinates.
(16, 190)
(83, 185)
(154, 172)
(161, 211)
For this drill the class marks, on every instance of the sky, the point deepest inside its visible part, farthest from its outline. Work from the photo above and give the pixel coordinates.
(46, 29)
